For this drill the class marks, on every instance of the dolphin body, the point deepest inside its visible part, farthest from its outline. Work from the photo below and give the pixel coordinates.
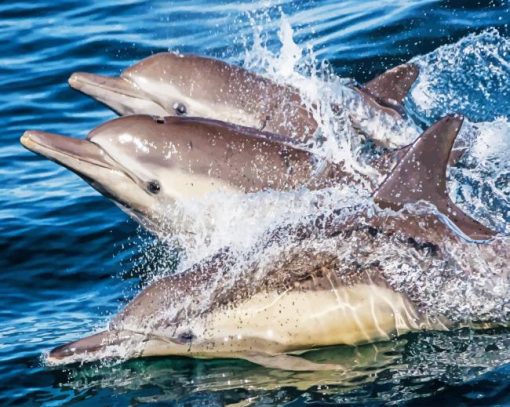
(169, 84)
(310, 296)
(145, 164)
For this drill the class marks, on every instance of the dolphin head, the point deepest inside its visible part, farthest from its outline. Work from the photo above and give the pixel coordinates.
(169, 84)
(142, 163)
(134, 191)
(177, 315)
(156, 323)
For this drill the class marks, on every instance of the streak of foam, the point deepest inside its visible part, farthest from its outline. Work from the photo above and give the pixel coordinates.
(240, 221)
(297, 67)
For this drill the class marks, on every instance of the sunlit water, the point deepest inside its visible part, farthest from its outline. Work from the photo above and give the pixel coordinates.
(70, 259)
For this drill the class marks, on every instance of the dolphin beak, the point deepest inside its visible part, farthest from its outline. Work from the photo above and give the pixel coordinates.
(106, 344)
(93, 85)
(77, 155)
(119, 94)
(111, 344)
(90, 344)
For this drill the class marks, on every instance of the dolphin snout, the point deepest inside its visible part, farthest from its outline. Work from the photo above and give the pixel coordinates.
(105, 344)
(78, 350)
(32, 139)
(64, 150)
(80, 79)
(77, 79)
(118, 93)
(60, 353)
(100, 86)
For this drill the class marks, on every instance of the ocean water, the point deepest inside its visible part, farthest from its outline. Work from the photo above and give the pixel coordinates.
(70, 258)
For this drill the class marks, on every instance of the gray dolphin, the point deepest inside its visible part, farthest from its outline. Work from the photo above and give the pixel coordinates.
(145, 164)
(189, 85)
(309, 295)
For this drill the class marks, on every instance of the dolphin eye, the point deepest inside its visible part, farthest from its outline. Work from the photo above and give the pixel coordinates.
(180, 109)
(185, 337)
(153, 187)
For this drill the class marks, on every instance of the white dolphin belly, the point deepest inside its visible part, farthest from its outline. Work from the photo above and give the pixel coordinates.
(297, 320)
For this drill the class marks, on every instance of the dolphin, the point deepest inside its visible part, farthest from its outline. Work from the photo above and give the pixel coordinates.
(145, 163)
(189, 85)
(327, 287)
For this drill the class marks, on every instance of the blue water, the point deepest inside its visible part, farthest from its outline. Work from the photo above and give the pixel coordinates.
(70, 258)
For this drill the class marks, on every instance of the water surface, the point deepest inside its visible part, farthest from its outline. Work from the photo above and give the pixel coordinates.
(70, 258)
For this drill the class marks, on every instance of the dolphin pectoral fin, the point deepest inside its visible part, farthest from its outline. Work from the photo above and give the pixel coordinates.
(421, 175)
(390, 88)
(288, 362)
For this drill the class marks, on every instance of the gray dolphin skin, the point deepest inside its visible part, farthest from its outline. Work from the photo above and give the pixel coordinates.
(310, 296)
(188, 85)
(145, 163)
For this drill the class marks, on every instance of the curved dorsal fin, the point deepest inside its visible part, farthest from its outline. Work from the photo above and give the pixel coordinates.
(391, 87)
(421, 175)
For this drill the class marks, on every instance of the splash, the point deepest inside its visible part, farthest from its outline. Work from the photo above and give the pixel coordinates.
(479, 184)
(319, 89)
(472, 77)
(469, 77)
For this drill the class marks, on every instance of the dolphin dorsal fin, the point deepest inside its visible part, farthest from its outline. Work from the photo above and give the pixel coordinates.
(421, 175)
(391, 87)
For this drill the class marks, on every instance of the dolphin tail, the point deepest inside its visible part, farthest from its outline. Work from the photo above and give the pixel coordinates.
(421, 175)
(390, 88)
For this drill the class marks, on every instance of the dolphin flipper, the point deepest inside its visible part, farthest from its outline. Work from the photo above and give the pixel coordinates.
(288, 362)
(421, 175)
